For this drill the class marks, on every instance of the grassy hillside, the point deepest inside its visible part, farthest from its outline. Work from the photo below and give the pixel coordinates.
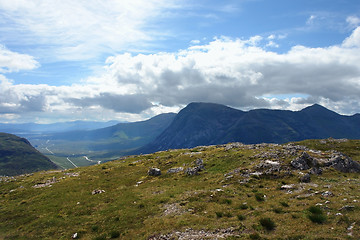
(17, 156)
(243, 192)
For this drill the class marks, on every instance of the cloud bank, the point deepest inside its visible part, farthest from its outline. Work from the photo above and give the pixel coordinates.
(240, 73)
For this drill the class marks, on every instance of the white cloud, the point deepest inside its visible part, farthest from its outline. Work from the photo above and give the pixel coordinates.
(236, 72)
(353, 40)
(353, 21)
(311, 19)
(272, 44)
(14, 62)
(82, 29)
(194, 42)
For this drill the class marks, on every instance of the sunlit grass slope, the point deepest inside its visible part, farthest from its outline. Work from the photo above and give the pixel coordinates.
(232, 198)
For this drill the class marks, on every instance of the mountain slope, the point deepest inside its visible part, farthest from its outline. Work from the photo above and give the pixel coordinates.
(197, 124)
(17, 156)
(239, 192)
(206, 124)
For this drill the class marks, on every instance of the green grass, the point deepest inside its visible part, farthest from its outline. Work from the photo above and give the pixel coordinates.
(137, 206)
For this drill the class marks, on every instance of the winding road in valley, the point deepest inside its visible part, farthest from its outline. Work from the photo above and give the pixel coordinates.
(88, 159)
(71, 162)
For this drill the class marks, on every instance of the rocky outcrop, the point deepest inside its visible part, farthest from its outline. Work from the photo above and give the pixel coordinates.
(304, 162)
(343, 163)
(269, 167)
(337, 160)
(195, 170)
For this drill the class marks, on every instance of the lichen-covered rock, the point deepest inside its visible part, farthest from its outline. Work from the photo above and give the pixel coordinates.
(304, 162)
(343, 163)
(200, 164)
(154, 172)
(269, 167)
(192, 171)
(175, 170)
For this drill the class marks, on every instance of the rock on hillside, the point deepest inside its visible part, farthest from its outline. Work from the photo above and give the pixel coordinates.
(17, 156)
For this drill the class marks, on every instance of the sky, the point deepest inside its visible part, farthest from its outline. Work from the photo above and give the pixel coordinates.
(129, 60)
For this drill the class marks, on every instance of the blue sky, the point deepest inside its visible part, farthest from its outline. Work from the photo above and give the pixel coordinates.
(63, 60)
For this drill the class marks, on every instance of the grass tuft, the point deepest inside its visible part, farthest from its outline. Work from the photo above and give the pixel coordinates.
(268, 224)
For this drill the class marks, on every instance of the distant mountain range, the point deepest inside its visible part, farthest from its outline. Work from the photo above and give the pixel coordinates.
(35, 128)
(208, 123)
(17, 156)
(109, 142)
(197, 124)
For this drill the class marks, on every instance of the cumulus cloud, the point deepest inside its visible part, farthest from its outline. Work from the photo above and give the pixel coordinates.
(353, 40)
(241, 73)
(13, 61)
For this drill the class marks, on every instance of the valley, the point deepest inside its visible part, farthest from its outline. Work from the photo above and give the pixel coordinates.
(73, 144)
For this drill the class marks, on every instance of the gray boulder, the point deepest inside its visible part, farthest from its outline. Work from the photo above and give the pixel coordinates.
(192, 171)
(154, 172)
(343, 163)
(304, 162)
(200, 164)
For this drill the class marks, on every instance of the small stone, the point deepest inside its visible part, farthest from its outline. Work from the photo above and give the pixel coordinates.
(97, 191)
(327, 194)
(347, 208)
(288, 187)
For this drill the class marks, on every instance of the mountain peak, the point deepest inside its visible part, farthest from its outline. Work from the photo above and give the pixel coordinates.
(317, 108)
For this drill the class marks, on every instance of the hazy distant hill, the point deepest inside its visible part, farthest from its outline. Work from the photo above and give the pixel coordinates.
(35, 128)
(207, 123)
(104, 142)
(17, 156)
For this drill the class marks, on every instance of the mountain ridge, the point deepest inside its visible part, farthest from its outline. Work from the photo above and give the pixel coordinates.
(208, 123)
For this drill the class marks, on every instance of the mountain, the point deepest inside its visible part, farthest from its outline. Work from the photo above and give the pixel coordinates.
(17, 156)
(208, 123)
(35, 128)
(305, 190)
(104, 142)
